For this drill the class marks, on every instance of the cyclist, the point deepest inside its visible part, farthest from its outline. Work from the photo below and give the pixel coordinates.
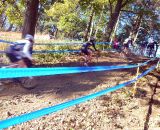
(20, 52)
(115, 44)
(127, 44)
(52, 32)
(156, 45)
(150, 46)
(87, 51)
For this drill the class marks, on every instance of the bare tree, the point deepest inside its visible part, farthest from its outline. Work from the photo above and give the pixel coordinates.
(89, 25)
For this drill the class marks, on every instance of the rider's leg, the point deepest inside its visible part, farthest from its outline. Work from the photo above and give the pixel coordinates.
(85, 60)
(90, 55)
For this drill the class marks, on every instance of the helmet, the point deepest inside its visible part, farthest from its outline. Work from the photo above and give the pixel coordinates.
(29, 37)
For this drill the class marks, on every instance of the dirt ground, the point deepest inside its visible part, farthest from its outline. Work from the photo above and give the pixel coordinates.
(118, 110)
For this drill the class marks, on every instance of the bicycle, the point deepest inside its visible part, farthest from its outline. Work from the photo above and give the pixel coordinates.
(85, 60)
(25, 82)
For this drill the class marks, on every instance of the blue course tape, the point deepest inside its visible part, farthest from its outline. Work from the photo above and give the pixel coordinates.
(57, 51)
(52, 44)
(33, 115)
(25, 72)
(51, 51)
(6, 42)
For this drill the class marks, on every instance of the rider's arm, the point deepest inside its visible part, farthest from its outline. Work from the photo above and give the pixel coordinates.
(26, 50)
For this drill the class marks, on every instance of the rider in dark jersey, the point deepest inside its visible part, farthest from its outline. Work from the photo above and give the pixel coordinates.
(152, 47)
(127, 43)
(86, 49)
(86, 46)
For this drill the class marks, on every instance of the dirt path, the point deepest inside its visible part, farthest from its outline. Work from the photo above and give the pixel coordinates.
(114, 111)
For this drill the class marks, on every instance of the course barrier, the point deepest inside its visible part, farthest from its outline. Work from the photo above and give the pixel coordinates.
(57, 51)
(27, 72)
(52, 44)
(36, 114)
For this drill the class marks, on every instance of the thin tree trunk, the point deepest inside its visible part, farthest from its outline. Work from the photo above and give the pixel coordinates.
(97, 28)
(113, 18)
(30, 18)
(10, 27)
(135, 38)
(89, 25)
(91, 30)
(136, 28)
(3, 22)
(115, 29)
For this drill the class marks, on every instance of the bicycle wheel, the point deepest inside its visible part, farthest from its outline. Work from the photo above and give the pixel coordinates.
(82, 61)
(28, 82)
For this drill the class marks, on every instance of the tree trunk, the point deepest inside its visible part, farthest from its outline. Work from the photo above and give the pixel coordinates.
(113, 20)
(1, 21)
(10, 27)
(89, 26)
(4, 21)
(136, 27)
(30, 18)
(91, 29)
(98, 22)
(115, 29)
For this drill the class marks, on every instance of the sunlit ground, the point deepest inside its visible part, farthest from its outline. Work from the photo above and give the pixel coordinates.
(39, 38)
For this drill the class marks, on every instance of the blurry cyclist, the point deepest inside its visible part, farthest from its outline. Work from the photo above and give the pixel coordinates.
(20, 53)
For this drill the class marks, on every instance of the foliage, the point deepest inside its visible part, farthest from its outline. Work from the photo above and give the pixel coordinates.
(15, 13)
(69, 21)
(13, 10)
(149, 23)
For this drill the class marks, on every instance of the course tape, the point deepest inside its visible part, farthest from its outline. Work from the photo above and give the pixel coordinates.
(33, 115)
(4, 41)
(50, 51)
(27, 72)
(52, 44)
(59, 44)
(57, 51)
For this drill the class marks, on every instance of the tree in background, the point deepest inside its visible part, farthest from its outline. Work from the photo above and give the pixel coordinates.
(67, 17)
(140, 19)
(74, 17)
(95, 8)
(115, 6)
(44, 22)
(11, 13)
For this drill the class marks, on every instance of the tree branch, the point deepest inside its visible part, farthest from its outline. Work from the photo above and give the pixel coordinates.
(110, 6)
(124, 4)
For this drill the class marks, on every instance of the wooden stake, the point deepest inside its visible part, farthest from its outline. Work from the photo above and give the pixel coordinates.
(135, 85)
(157, 64)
